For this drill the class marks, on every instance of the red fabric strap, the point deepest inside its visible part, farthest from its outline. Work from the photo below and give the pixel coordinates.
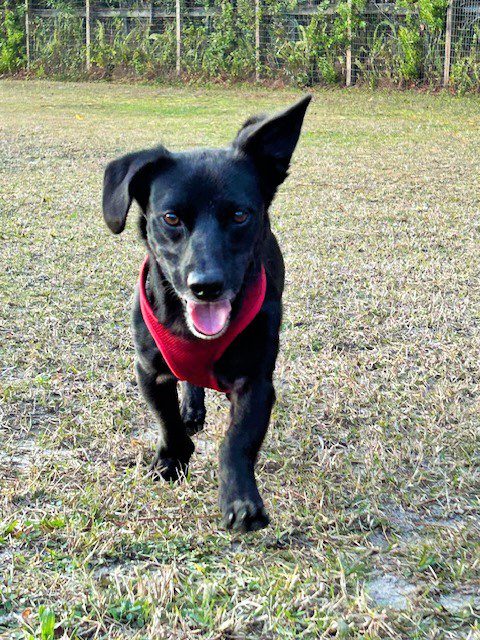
(192, 359)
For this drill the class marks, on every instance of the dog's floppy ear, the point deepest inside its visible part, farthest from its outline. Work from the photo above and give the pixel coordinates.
(123, 183)
(270, 142)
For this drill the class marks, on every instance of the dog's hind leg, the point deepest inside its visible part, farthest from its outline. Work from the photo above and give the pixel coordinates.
(175, 446)
(192, 407)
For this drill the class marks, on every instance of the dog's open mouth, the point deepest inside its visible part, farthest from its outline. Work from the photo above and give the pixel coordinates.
(209, 318)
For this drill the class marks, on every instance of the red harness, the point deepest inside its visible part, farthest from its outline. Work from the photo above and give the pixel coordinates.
(193, 359)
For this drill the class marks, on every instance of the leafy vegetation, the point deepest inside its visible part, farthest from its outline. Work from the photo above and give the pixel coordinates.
(12, 39)
(300, 42)
(465, 73)
(406, 48)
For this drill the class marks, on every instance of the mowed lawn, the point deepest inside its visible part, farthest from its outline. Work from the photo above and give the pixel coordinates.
(370, 470)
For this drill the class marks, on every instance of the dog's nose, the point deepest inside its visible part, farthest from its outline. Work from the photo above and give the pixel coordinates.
(205, 286)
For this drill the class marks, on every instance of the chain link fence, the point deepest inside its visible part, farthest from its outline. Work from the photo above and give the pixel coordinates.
(465, 44)
(299, 41)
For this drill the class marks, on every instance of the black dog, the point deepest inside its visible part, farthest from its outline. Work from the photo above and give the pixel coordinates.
(211, 258)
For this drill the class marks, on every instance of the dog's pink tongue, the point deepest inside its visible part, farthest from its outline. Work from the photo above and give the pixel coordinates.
(209, 318)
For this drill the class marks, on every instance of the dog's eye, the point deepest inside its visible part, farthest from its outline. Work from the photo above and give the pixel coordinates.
(240, 216)
(171, 219)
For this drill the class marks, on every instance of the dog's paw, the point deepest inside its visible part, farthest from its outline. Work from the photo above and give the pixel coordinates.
(243, 515)
(193, 419)
(171, 467)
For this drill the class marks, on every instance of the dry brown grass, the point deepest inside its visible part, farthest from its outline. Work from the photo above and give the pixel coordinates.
(371, 467)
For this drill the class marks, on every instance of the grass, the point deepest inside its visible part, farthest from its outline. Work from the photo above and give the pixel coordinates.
(370, 469)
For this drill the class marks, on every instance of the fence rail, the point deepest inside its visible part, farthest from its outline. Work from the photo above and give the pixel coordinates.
(304, 41)
(199, 12)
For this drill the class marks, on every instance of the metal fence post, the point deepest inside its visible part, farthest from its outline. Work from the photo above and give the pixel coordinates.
(27, 32)
(257, 40)
(178, 30)
(348, 53)
(87, 36)
(448, 45)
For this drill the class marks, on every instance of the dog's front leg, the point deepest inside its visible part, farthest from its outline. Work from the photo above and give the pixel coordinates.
(240, 502)
(175, 447)
(192, 407)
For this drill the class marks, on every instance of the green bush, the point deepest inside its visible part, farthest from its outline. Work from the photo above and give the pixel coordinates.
(12, 41)
(139, 51)
(309, 49)
(401, 47)
(410, 56)
(406, 50)
(58, 46)
(312, 56)
(465, 70)
(223, 43)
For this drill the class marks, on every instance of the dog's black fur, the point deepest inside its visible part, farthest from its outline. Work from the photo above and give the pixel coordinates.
(205, 188)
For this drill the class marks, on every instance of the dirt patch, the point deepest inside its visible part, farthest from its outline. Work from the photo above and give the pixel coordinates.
(391, 591)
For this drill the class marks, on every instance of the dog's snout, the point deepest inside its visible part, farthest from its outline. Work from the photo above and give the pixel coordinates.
(206, 286)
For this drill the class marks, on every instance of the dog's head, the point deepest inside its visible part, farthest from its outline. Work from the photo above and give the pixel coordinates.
(204, 211)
